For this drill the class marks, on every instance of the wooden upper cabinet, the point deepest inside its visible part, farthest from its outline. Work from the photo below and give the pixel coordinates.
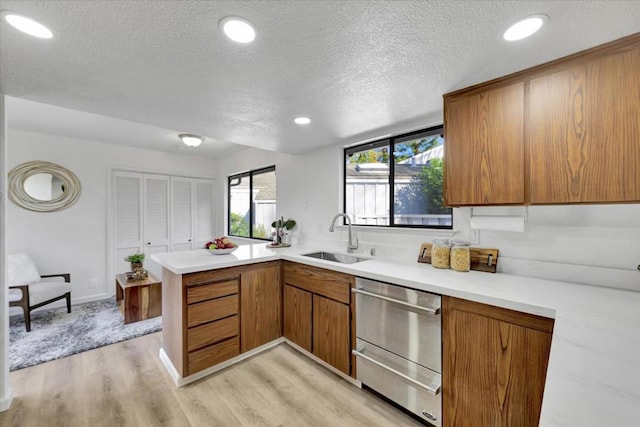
(584, 132)
(484, 147)
(567, 131)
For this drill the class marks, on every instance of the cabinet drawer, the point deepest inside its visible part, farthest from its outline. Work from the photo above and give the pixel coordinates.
(200, 293)
(211, 333)
(323, 282)
(402, 381)
(214, 354)
(214, 309)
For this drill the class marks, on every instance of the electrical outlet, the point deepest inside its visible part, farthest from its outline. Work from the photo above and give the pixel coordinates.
(474, 237)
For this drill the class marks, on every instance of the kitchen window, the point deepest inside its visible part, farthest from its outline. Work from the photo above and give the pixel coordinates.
(397, 181)
(252, 203)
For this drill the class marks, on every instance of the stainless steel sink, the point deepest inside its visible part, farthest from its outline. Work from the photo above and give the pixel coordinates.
(341, 258)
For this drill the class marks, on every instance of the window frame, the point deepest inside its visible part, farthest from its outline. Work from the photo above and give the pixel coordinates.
(250, 174)
(389, 142)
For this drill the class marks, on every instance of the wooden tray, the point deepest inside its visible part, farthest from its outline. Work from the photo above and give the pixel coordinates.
(482, 259)
(281, 245)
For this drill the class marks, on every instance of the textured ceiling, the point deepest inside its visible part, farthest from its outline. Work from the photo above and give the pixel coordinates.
(358, 68)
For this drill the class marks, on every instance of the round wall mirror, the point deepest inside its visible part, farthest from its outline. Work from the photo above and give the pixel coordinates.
(43, 186)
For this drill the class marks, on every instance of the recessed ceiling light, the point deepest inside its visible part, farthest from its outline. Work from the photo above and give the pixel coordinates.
(191, 140)
(302, 120)
(525, 27)
(238, 29)
(27, 25)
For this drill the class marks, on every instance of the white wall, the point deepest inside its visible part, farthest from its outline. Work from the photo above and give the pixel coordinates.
(74, 240)
(5, 387)
(594, 244)
(244, 161)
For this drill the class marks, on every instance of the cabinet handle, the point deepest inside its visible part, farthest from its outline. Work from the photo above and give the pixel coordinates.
(429, 415)
(434, 311)
(148, 243)
(189, 239)
(433, 391)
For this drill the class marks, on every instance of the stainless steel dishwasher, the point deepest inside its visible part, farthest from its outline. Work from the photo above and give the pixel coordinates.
(399, 346)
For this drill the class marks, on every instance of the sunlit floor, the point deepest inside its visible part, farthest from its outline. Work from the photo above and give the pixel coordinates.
(125, 384)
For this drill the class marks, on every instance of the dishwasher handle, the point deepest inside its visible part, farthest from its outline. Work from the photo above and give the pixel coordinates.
(434, 391)
(434, 311)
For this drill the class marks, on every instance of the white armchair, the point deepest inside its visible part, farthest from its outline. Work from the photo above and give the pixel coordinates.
(30, 290)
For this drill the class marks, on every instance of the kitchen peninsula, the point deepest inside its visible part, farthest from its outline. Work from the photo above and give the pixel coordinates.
(595, 350)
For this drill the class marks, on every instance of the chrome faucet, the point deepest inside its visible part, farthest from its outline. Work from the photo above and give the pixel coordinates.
(353, 239)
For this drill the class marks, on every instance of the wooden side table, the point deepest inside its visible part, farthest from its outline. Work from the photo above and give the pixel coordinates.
(139, 299)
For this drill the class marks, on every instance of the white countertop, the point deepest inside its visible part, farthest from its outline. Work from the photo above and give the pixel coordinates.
(593, 377)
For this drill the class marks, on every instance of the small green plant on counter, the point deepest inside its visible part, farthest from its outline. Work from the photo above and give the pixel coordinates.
(135, 258)
(281, 223)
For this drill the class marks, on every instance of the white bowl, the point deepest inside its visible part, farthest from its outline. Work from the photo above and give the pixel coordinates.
(222, 251)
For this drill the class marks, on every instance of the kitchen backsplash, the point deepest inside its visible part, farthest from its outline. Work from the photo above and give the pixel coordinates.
(588, 244)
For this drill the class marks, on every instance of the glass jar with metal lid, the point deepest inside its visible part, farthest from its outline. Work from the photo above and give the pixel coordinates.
(460, 256)
(440, 251)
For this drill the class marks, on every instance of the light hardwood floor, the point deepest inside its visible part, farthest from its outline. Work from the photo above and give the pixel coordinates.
(125, 384)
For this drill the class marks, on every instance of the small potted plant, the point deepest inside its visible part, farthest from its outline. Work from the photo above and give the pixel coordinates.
(281, 225)
(136, 261)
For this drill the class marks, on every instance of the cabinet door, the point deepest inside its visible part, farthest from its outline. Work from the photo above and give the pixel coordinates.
(181, 214)
(127, 218)
(155, 204)
(484, 147)
(584, 132)
(297, 316)
(203, 217)
(331, 341)
(494, 365)
(261, 306)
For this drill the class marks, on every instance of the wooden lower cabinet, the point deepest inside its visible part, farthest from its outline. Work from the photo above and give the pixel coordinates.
(211, 324)
(212, 316)
(331, 329)
(260, 305)
(494, 364)
(317, 313)
(297, 316)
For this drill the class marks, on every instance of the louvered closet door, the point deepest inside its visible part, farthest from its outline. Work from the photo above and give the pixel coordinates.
(155, 219)
(127, 218)
(182, 223)
(203, 211)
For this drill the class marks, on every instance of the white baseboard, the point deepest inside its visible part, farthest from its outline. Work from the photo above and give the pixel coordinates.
(5, 402)
(90, 298)
(173, 372)
(180, 381)
(323, 363)
(62, 303)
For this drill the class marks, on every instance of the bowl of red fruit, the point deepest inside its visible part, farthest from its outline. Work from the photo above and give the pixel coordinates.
(221, 246)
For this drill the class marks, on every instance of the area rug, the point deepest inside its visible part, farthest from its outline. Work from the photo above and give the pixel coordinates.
(55, 333)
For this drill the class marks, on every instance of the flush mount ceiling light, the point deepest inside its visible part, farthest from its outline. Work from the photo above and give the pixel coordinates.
(238, 29)
(191, 140)
(525, 27)
(302, 120)
(27, 25)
